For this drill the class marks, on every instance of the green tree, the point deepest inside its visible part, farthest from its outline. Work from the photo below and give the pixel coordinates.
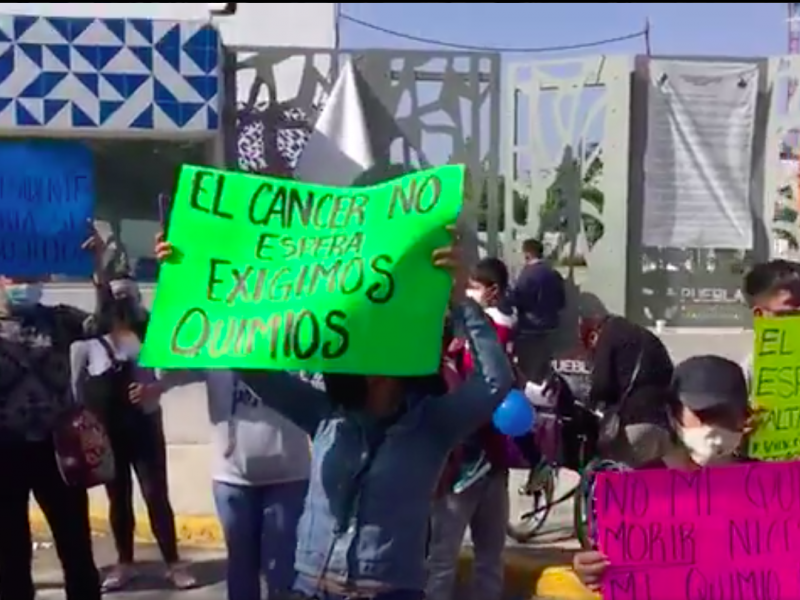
(554, 212)
(784, 222)
(520, 204)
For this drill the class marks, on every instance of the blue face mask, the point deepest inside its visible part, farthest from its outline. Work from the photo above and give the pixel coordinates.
(24, 294)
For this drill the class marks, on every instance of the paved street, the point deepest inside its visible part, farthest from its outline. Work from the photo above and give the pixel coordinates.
(209, 568)
(552, 547)
(558, 530)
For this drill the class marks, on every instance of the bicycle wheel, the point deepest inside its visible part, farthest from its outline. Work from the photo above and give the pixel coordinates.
(531, 522)
(583, 506)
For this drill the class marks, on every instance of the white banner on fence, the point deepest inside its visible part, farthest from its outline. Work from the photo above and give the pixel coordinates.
(700, 122)
(339, 149)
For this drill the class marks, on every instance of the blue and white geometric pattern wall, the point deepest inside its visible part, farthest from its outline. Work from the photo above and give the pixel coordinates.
(59, 73)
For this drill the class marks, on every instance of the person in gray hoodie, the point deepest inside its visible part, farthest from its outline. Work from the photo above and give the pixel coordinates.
(260, 473)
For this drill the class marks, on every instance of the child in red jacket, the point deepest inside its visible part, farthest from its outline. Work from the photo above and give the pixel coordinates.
(489, 283)
(474, 491)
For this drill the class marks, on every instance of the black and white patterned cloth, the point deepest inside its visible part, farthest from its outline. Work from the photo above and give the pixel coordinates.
(269, 140)
(35, 370)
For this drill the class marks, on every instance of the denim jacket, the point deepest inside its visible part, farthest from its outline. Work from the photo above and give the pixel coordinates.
(377, 536)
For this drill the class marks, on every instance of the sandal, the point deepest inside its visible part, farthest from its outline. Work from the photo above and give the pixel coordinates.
(117, 578)
(179, 576)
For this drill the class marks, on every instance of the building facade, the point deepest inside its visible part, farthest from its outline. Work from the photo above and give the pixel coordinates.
(142, 86)
(86, 77)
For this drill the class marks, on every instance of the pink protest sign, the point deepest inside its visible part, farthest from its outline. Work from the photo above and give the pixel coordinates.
(723, 533)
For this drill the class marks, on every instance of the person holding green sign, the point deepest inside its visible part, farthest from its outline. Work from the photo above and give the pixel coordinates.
(772, 289)
(379, 445)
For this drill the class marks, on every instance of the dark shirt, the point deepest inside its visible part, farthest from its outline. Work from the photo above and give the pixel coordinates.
(35, 366)
(539, 297)
(106, 394)
(621, 344)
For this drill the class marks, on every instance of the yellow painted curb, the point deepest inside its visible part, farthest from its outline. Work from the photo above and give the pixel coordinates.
(201, 531)
(542, 572)
(562, 583)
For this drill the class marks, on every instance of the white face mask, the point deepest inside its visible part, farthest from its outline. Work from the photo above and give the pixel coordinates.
(24, 294)
(474, 294)
(708, 445)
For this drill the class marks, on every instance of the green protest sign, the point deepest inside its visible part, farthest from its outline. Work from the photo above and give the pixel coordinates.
(277, 274)
(776, 389)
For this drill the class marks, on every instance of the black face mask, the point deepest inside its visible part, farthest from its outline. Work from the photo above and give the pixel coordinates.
(350, 391)
(426, 385)
(346, 391)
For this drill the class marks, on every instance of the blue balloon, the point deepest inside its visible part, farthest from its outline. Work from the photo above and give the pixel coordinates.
(515, 415)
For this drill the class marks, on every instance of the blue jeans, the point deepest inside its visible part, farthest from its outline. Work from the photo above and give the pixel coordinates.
(260, 527)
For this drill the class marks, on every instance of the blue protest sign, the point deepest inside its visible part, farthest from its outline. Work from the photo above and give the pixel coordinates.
(46, 200)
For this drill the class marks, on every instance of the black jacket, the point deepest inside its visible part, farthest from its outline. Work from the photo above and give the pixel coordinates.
(621, 344)
(35, 364)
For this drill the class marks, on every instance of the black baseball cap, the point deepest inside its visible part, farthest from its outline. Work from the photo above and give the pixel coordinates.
(710, 382)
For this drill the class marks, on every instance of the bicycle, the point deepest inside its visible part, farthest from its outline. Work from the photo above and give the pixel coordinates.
(584, 515)
(531, 522)
(578, 423)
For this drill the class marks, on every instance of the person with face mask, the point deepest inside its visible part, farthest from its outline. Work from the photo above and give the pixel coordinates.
(475, 491)
(625, 357)
(630, 369)
(379, 445)
(708, 415)
(34, 397)
(710, 411)
(126, 398)
(126, 288)
(771, 289)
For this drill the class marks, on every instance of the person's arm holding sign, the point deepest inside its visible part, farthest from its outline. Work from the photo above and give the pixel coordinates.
(590, 566)
(471, 405)
(78, 323)
(295, 399)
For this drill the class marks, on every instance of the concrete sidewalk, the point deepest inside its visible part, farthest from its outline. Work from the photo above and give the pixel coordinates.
(209, 567)
(530, 569)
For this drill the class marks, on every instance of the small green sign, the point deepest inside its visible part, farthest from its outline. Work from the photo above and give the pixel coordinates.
(776, 388)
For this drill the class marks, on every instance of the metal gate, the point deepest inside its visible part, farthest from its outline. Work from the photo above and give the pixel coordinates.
(565, 165)
(427, 108)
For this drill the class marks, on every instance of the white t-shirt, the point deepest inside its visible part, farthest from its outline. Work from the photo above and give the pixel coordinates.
(90, 358)
(98, 360)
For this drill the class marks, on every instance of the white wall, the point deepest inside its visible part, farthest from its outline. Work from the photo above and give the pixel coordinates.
(148, 10)
(254, 24)
(309, 24)
(306, 24)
